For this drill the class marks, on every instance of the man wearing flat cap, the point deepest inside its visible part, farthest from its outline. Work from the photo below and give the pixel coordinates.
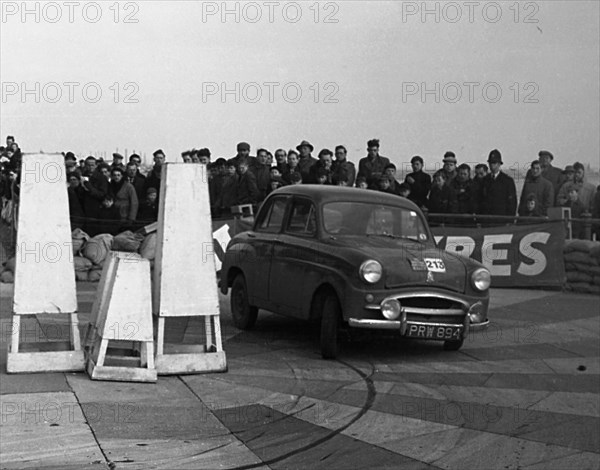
(117, 161)
(243, 154)
(450, 166)
(306, 160)
(499, 190)
(551, 173)
(70, 163)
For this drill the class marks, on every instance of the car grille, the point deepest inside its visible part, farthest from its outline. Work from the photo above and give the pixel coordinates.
(426, 307)
(430, 303)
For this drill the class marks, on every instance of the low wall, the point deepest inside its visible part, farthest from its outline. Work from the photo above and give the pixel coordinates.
(582, 266)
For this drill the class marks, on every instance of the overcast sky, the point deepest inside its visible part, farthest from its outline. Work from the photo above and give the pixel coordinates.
(365, 64)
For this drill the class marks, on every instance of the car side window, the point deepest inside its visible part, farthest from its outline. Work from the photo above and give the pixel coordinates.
(303, 219)
(271, 221)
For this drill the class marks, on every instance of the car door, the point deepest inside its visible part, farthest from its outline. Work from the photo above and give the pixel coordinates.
(293, 254)
(262, 240)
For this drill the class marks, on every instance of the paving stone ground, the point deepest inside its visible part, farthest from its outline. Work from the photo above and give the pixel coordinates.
(523, 394)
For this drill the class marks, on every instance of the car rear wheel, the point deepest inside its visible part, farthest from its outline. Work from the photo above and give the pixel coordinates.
(330, 326)
(453, 345)
(244, 315)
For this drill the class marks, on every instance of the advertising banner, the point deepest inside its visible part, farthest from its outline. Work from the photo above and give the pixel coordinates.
(515, 255)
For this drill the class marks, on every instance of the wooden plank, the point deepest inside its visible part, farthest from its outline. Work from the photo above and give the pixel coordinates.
(44, 271)
(121, 374)
(169, 364)
(50, 361)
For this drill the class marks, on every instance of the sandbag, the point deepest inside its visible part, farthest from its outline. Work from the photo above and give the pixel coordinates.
(97, 248)
(7, 277)
(127, 241)
(148, 247)
(584, 246)
(82, 264)
(95, 274)
(579, 257)
(584, 268)
(78, 238)
(595, 252)
(81, 276)
(576, 276)
(585, 288)
(594, 270)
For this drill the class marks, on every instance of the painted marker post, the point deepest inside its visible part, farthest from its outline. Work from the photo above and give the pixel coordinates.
(44, 271)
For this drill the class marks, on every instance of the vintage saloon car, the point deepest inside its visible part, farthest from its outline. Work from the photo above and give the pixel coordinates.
(353, 258)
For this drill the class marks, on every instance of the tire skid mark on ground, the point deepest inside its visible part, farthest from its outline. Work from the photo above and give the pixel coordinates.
(368, 403)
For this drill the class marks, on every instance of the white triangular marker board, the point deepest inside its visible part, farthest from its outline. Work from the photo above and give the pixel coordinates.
(126, 313)
(44, 271)
(185, 281)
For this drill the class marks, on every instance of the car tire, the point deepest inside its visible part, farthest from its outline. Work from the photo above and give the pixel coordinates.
(453, 345)
(330, 326)
(243, 314)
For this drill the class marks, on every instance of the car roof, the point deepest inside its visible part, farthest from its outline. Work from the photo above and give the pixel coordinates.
(323, 193)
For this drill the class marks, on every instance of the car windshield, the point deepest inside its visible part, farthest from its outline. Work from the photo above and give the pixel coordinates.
(368, 219)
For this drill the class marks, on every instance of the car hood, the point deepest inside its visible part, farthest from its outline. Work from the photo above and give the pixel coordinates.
(404, 262)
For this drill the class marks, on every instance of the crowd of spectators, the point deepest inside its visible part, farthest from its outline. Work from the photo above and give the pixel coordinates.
(109, 198)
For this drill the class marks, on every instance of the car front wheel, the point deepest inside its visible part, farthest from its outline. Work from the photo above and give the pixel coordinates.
(453, 345)
(244, 315)
(330, 325)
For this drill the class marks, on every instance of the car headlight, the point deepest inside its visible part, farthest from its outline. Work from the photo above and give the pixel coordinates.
(391, 309)
(481, 279)
(370, 271)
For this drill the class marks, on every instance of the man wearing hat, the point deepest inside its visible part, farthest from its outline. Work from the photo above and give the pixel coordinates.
(306, 160)
(243, 153)
(373, 165)
(70, 163)
(499, 190)
(450, 166)
(551, 173)
(117, 161)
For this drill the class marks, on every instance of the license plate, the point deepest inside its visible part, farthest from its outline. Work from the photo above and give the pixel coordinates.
(435, 265)
(434, 332)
